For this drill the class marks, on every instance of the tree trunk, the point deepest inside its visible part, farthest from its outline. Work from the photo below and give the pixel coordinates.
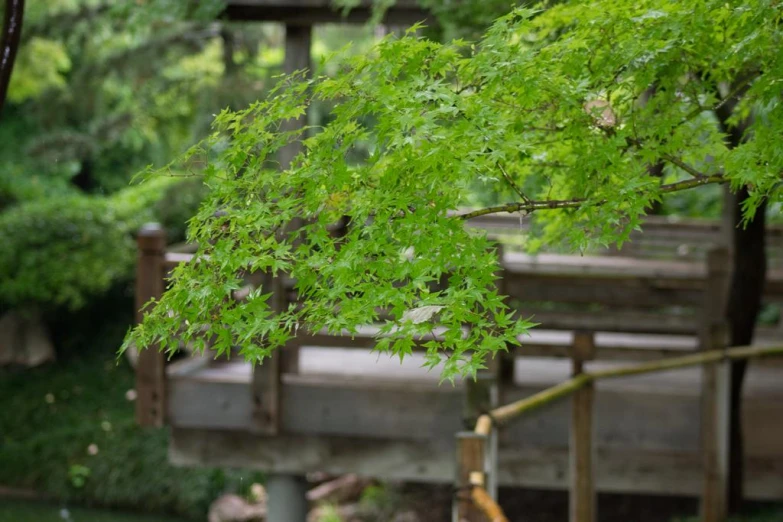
(12, 32)
(745, 293)
(747, 286)
(84, 178)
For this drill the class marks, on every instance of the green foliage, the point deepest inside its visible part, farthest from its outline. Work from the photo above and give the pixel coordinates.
(29, 511)
(63, 251)
(40, 66)
(52, 415)
(550, 110)
(176, 205)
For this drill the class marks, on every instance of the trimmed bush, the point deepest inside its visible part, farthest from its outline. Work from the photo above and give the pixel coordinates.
(63, 251)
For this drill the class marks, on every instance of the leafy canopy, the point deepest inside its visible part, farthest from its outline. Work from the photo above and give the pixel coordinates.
(561, 109)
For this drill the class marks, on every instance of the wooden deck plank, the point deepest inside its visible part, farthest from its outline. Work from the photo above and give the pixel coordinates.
(647, 413)
(617, 471)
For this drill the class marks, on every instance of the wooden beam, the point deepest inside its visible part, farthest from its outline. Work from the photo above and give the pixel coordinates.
(151, 365)
(310, 12)
(432, 460)
(716, 390)
(582, 501)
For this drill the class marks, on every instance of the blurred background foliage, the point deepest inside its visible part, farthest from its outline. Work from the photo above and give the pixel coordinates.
(100, 90)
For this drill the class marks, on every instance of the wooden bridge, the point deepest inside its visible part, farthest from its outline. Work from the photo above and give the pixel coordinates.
(328, 404)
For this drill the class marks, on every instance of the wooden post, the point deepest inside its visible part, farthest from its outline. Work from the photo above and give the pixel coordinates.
(716, 391)
(151, 364)
(298, 40)
(505, 366)
(582, 486)
(481, 397)
(266, 382)
(471, 459)
(266, 376)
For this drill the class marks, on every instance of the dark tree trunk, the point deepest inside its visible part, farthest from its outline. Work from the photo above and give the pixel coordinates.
(655, 171)
(12, 32)
(747, 286)
(745, 293)
(84, 178)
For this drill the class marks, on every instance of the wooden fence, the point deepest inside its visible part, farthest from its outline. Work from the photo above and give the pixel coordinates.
(475, 500)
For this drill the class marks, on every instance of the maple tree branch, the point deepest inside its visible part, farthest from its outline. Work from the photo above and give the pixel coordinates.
(552, 204)
(513, 185)
(684, 166)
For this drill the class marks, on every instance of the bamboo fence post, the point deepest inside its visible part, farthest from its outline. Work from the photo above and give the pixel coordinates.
(582, 488)
(470, 472)
(151, 364)
(716, 390)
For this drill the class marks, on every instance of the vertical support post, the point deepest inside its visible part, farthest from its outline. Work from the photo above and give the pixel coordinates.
(151, 364)
(266, 376)
(491, 464)
(298, 40)
(505, 368)
(582, 486)
(716, 391)
(298, 44)
(266, 382)
(482, 396)
(471, 459)
(287, 498)
(503, 371)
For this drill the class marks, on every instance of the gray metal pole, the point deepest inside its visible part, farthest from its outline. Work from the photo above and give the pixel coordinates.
(287, 498)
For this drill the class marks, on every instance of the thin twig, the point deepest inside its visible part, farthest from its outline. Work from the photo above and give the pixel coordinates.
(684, 166)
(513, 185)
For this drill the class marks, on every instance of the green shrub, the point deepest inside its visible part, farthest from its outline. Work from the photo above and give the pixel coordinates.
(61, 252)
(179, 202)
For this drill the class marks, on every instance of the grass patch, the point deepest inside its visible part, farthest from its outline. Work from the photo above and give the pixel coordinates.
(67, 430)
(27, 512)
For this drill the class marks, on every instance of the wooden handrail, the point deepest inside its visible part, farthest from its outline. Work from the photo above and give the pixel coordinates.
(504, 414)
(508, 412)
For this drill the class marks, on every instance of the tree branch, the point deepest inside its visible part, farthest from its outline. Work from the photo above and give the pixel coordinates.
(12, 32)
(684, 166)
(531, 206)
(513, 185)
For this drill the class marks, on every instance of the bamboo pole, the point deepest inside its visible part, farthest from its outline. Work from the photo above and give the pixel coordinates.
(508, 412)
(673, 363)
(488, 507)
(483, 425)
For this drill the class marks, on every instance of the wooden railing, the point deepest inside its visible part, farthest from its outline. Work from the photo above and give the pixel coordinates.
(692, 286)
(475, 465)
